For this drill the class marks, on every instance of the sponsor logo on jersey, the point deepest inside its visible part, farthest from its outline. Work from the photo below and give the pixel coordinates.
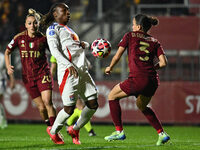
(31, 44)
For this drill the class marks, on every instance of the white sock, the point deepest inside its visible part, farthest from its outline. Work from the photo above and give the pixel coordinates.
(59, 122)
(160, 134)
(86, 114)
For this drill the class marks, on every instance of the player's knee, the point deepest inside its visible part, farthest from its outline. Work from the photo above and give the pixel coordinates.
(111, 96)
(69, 109)
(92, 104)
(141, 103)
(48, 103)
(141, 107)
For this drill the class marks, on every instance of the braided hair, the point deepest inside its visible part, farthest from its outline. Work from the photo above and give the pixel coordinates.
(48, 18)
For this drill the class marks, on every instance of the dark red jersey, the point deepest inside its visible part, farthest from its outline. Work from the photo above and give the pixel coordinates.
(32, 52)
(142, 49)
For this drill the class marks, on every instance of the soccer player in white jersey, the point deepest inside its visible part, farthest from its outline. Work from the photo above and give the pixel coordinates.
(73, 77)
(3, 77)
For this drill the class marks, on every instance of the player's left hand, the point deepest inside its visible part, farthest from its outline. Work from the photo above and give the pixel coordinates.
(108, 70)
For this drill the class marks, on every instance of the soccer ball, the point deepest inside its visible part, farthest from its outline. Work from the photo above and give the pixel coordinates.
(101, 48)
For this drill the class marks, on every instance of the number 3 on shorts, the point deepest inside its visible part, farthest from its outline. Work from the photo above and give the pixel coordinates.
(46, 79)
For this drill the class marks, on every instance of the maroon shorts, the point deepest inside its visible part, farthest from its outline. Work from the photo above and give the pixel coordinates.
(141, 85)
(36, 86)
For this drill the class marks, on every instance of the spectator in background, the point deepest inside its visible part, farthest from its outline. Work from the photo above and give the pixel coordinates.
(3, 77)
(19, 18)
(7, 30)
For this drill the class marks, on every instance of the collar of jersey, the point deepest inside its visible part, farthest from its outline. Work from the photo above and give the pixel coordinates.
(65, 26)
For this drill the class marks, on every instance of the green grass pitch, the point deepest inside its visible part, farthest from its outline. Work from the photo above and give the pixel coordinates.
(34, 137)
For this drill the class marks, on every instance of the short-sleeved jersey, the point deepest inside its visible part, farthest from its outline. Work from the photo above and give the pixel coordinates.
(142, 50)
(2, 67)
(32, 53)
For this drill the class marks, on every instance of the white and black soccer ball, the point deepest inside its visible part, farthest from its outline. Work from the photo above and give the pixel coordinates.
(101, 48)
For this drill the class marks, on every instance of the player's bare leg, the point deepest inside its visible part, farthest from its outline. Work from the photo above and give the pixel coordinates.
(42, 109)
(142, 102)
(47, 100)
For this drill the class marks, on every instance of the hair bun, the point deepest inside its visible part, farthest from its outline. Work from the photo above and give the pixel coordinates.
(31, 11)
(154, 21)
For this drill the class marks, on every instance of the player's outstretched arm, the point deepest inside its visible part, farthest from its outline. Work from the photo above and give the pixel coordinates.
(115, 59)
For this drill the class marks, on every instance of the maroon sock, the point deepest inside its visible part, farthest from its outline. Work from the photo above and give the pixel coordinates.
(47, 122)
(153, 120)
(115, 111)
(52, 119)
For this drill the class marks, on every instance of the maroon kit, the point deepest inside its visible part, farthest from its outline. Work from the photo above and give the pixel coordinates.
(35, 68)
(142, 49)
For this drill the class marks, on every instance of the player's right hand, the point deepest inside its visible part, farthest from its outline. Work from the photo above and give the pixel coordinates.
(73, 71)
(107, 70)
(10, 70)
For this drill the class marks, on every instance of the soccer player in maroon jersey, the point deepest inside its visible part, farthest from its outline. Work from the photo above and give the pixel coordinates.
(35, 68)
(143, 79)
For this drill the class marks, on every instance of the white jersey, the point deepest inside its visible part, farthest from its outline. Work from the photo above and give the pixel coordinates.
(64, 46)
(2, 67)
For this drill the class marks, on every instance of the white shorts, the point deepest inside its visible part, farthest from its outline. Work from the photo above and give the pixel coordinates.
(2, 86)
(71, 88)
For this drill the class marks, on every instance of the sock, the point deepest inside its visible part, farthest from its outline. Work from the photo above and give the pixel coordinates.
(74, 117)
(86, 114)
(115, 111)
(160, 134)
(59, 122)
(52, 120)
(88, 126)
(47, 122)
(153, 120)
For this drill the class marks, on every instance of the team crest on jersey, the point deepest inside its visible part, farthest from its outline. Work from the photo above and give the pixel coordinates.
(51, 32)
(22, 43)
(71, 97)
(31, 44)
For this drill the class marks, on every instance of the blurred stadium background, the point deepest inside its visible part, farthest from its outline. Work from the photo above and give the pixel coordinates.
(177, 101)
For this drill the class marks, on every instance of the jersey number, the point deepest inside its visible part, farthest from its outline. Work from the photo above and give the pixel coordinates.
(143, 48)
(46, 79)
